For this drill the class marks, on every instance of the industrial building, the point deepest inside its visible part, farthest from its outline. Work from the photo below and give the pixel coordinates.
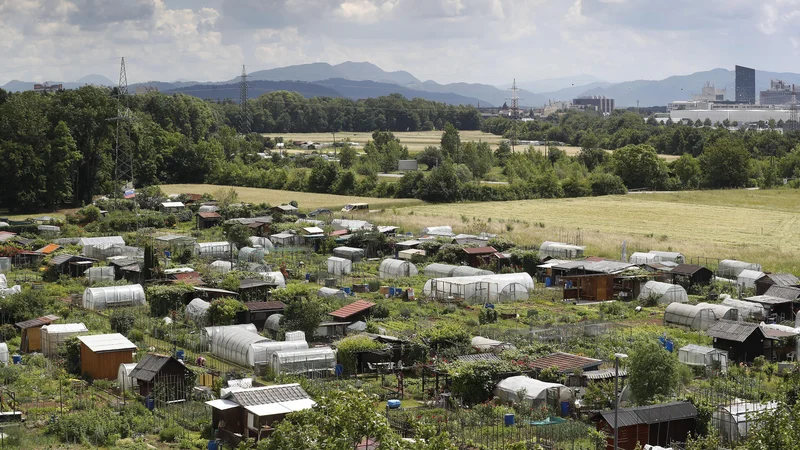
(745, 85)
(779, 93)
(596, 102)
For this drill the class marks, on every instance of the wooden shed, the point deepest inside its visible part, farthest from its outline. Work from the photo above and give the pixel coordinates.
(589, 287)
(30, 333)
(101, 355)
(166, 371)
(775, 279)
(654, 425)
(690, 274)
(208, 220)
(479, 256)
(743, 341)
(258, 312)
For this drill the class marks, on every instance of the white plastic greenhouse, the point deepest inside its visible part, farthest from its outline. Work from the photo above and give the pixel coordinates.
(276, 278)
(438, 231)
(113, 297)
(467, 271)
(295, 336)
(486, 345)
(304, 361)
(213, 249)
(731, 268)
(208, 208)
(197, 309)
(747, 310)
(237, 346)
(252, 254)
(208, 333)
(698, 355)
(689, 316)
(124, 379)
(351, 253)
(265, 350)
(537, 392)
(222, 267)
(747, 278)
(561, 250)
(265, 243)
(735, 421)
(97, 274)
(640, 258)
(3, 281)
(54, 336)
(3, 354)
(105, 251)
(669, 256)
(273, 322)
(721, 311)
(396, 268)
(665, 293)
(5, 292)
(339, 266)
(331, 293)
(481, 289)
(437, 270)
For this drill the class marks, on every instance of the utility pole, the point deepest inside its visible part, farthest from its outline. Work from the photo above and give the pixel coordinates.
(123, 153)
(793, 116)
(244, 125)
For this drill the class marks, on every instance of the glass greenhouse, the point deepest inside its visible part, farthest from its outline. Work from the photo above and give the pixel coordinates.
(208, 333)
(396, 268)
(237, 346)
(665, 293)
(113, 297)
(213, 249)
(265, 243)
(331, 293)
(561, 250)
(698, 355)
(690, 316)
(339, 266)
(746, 310)
(351, 253)
(304, 361)
(54, 336)
(481, 289)
(731, 268)
(276, 278)
(538, 393)
(252, 254)
(97, 274)
(197, 309)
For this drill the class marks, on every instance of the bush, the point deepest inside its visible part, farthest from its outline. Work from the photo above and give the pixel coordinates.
(223, 310)
(163, 299)
(122, 321)
(380, 311)
(7, 332)
(185, 216)
(487, 315)
(347, 348)
(169, 434)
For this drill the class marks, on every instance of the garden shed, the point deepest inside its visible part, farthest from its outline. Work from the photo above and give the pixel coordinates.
(396, 268)
(774, 307)
(480, 289)
(124, 379)
(208, 219)
(659, 424)
(284, 239)
(167, 371)
(274, 278)
(258, 312)
(113, 297)
(775, 279)
(219, 250)
(236, 345)
(55, 335)
(731, 268)
(561, 250)
(359, 309)
(251, 254)
(304, 361)
(735, 421)
(746, 310)
(101, 355)
(665, 293)
(690, 316)
(339, 266)
(331, 293)
(351, 253)
(30, 333)
(207, 333)
(747, 278)
(265, 350)
(196, 310)
(742, 340)
(721, 311)
(265, 243)
(538, 393)
(222, 267)
(701, 356)
(100, 274)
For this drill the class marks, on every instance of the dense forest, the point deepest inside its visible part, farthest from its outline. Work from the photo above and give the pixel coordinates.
(58, 149)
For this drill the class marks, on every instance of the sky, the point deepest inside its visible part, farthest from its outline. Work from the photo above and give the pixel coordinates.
(484, 41)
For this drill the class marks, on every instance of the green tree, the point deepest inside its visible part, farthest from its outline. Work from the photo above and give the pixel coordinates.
(478, 158)
(322, 176)
(431, 157)
(222, 311)
(687, 169)
(725, 164)
(442, 185)
(62, 166)
(707, 122)
(409, 186)
(238, 235)
(347, 156)
(345, 184)
(652, 372)
(503, 152)
(451, 142)
(592, 157)
(304, 314)
(122, 321)
(639, 166)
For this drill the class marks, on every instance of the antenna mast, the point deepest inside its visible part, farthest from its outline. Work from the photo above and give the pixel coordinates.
(244, 126)
(123, 152)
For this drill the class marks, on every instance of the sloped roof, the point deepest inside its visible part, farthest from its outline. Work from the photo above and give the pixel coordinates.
(209, 215)
(151, 365)
(352, 309)
(48, 249)
(769, 300)
(38, 322)
(478, 357)
(268, 394)
(787, 292)
(687, 269)
(565, 362)
(732, 331)
(265, 306)
(667, 412)
(782, 279)
(480, 250)
(101, 343)
(253, 283)
(603, 374)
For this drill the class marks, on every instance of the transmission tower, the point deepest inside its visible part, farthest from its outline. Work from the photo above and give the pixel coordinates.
(244, 126)
(793, 119)
(123, 151)
(514, 112)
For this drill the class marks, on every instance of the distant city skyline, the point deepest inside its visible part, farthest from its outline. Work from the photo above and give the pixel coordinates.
(485, 41)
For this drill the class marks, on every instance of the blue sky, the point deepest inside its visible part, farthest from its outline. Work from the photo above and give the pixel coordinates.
(488, 41)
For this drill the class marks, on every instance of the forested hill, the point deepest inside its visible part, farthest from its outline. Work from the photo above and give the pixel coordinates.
(222, 92)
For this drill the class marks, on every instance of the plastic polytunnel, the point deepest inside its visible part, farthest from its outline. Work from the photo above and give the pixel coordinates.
(331, 293)
(213, 249)
(396, 268)
(222, 267)
(207, 333)
(721, 311)
(690, 316)
(276, 278)
(197, 309)
(437, 270)
(97, 274)
(273, 322)
(54, 336)
(237, 346)
(3, 354)
(561, 250)
(665, 293)
(669, 256)
(252, 254)
(731, 268)
(438, 231)
(351, 253)
(467, 271)
(113, 297)
(640, 258)
(295, 336)
(481, 289)
(303, 361)
(265, 350)
(746, 310)
(265, 243)
(484, 345)
(747, 278)
(124, 379)
(339, 266)
(538, 393)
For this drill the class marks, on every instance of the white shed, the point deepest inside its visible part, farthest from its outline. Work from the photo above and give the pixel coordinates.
(538, 393)
(100, 274)
(54, 336)
(351, 253)
(396, 268)
(735, 421)
(331, 293)
(197, 309)
(339, 266)
(481, 289)
(665, 293)
(284, 239)
(113, 297)
(731, 268)
(304, 361)
(698, 355)
(220, 249)
(690, 316)
(124, 379)
(237, 346)
(747, 278)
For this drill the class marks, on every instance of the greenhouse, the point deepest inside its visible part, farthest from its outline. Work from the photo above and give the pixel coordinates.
(104, 251)
(351, 253)
(222, 267)
(213, 249)
(480, 289)
(697, 355)
(669, 256)
(208, 208)
(746, 310)
(485, 345)
(331, 293)
(276, 278)
(561, 250)
(721, 311)
(196, 310)
(252, 254)
(304, 361)
(665, 293)
(538, 393)
(467, 271)
(54, 336)
(295, 336)
(264, 351)
(396, 268)
(437, 270)
(113, 297)
(3, 281)
(207, 333)
(236, 345)
(690, 316)
(339, 266)
(98, 274)
(3, 354)
(284, 239)
(265, 243)
(438, 231)
(735, 421)
(639, 258)
(124, 379)
(273, 322)
(731, 268)
(747, 278)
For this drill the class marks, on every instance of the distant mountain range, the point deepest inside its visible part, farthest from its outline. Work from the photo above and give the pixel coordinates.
(358, 80)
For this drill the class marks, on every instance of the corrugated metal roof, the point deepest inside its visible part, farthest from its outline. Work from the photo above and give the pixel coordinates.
(769, 299)
(478, 357)
(480, 251)
(787, 292)
(687, 269)
(173, 205)
(652, 414)
(151, 365)
(566, 362)
(354, 308)
(268, 394)
(38, 322)
(603, 374)
(101, 343)
(61, 259)
(265, 306)
(209, 215)
(732, 331)
(48, 249)
(782, 279)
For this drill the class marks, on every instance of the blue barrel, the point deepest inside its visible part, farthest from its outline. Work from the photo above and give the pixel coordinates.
(663, 341)
(347, 290)
(17, 359)
(669, 345)
(564, 409)
(308, 277)
(180, 354)
(150, 403)
(548, 282)
(212, 445)
(392, 292)
(488, 306)
(508, 420)
(393, 404)
(339, 370)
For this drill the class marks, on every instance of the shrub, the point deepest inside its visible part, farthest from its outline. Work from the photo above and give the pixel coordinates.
(347, 348)
(163, 299)
(223, 310)
(185, 216)
(487, 315)
(380, 311)
(122, 321)
(7, 332)
(169, 434)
